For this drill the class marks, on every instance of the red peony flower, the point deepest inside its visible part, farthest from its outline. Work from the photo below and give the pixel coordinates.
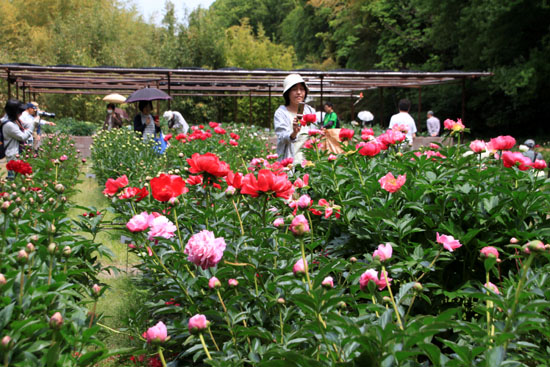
(194, 180)
(502, 142)
(134, 192)
(234, 179)
(20, 167)
(268, 182)
(112, 186)
(212, 124)
(219, 130)
(234, 136)
(166, 187)
(346, 134)
(233, 143)
(167, 137)
(181, 137)
(370, 149)
(510, 159)
(208, 163)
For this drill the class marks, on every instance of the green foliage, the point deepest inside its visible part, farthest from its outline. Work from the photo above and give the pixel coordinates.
(70, 126)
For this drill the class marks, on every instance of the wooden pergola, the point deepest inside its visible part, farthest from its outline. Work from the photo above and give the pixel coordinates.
(30, 80)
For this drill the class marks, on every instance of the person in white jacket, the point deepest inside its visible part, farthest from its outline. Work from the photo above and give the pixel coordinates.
(13, 131)
(176, 121)
(290, 134)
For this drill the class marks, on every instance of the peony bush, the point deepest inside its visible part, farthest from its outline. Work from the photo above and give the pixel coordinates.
(376, 256)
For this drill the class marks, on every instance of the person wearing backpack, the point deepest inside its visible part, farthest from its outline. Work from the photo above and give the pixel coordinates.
(13, 133)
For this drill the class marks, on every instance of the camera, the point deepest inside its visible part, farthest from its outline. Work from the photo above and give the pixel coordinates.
(46, 114)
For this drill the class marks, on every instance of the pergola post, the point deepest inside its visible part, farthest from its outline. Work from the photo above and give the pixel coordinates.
(17, 90)
(9, 84)
(463, 99)
(158, 102)
(235, 109)
(352, 107)
(270, 119)
(381, 113)
(321, 93)
(169, 90)
(419, 105)
(250, 107)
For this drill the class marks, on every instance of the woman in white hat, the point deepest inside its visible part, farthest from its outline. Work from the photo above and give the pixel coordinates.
(176, 121)
(290, 135)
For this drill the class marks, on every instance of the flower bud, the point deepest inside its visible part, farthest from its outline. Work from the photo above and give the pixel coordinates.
(56, 321)
(418, 287)
(341, 305)
(281, 301)
(181, 155)
(67, 251)
(198, 323)
(353, 259)
(52, 247)
(23, 189)
(2, 280)
(52, 228)
(29, 248)
(214, 283)
(386, 299)
(16, 213)
(230, 191)
(513, 240)
(5, 206)
(534, 246)
(233, 282)
(328, 283)
(51, 200)
(22, 256)
(96, 289)
(31, 201)
(63, 199)
(18, 200)
(6, 342)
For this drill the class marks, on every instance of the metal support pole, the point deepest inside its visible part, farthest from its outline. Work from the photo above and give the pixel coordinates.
(250, 107)
(9, 84)
(169, 91)
(381, 94)
(463, 99)
(17, 90)
(322, 93)
(235, 109)
(158, 102)
(352, 107)
(270, 118)
(419, 105)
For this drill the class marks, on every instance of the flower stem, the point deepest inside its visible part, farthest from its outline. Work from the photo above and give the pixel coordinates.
(305, 266)
(204, 346)
(238, 216)
(358, 172)
(282, 325)
(161, 357)
(489, 307)
(429, 266)
(178, 228)
(385, 274)
(93, 314)
(21, 284)
(213, 340)
(374, 302)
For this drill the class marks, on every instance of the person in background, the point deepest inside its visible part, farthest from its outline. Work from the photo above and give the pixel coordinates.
(433, 124)
(176, 121)
(531, 154)
(290, 134)
(31, 120)
(144, 121)
(113, 120)
(404, 119)
(331, 120)
(13, 131)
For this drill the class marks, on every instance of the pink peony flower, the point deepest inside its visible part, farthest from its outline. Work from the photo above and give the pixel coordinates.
(332, 157)
(381, 283)
(299, 268)
(391, 184)
(278, 222)
(489, 251)
(366, 277)
(383, 252)
(299, 225)
(304, 202)
(157, 333)
(448, 242)
(214, 283)
(328, 282)
(539, 164)
(491, 287)
(370, 149)
(63, 158)
(477, 146)
(299, 183)
(197, 323)
(502, 142)
(233, 282)
(56, 320)
(204, 249)
(434, 146)
(511, 159)
(534, 246)
(161, 227)
(96, 289)
(140, 222)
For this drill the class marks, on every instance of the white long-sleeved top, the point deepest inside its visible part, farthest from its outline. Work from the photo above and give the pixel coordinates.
(282, 121)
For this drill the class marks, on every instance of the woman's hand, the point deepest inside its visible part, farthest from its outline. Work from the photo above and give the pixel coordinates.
(295, 128)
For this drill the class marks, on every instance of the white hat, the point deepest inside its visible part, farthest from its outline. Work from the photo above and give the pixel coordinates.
(168, 115)
(291, 80)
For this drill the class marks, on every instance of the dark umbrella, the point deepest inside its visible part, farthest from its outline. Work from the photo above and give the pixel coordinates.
(147, 94)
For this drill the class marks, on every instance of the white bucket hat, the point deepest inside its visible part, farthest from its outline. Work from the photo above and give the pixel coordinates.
(168, 115)
(291, 80)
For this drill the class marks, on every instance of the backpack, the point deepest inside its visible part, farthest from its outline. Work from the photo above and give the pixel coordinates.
(2, 146)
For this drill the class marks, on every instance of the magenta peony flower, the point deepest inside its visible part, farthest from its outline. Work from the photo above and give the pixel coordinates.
(140, 222)
(392, 184)
(299, 268)
(278, 222)
(489, 251)
(366, 277)
(448, 242)
(332, 157)
(478, 146)
(539, 164)
(299, 225)
(233, 282)
(510, 159)
(161, 227)
(502, 142)
(204, 249)
(383, 252)
(381, 283)
(63, 158)
(197, 323)
(491, 287)
(328, 282)
(157, 333)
